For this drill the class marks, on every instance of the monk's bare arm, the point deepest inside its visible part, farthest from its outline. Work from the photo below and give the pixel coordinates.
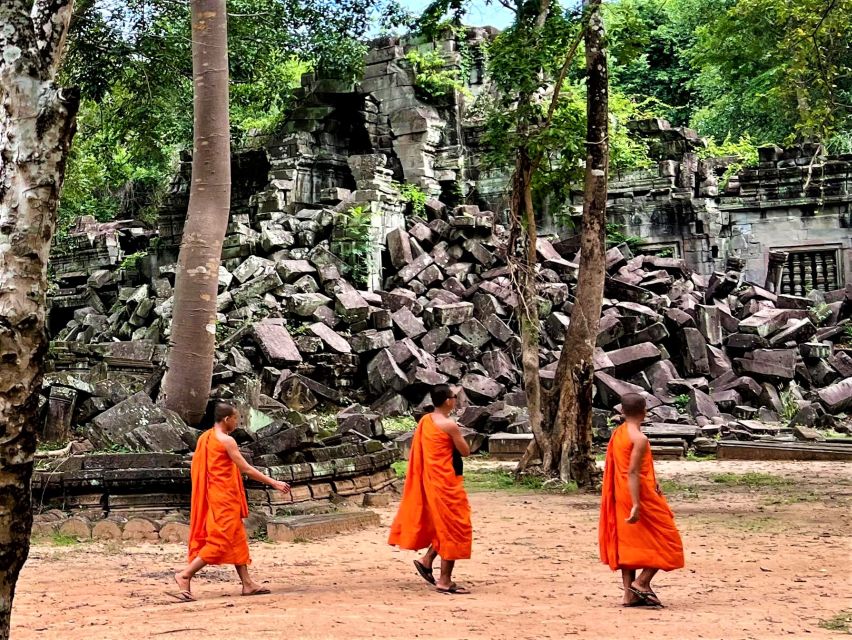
(244, 467)
(640, 444)
(452, 429)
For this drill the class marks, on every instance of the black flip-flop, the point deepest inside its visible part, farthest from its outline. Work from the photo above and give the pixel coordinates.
(427, 574)
(648, 597)
(454, 590)
(637, 603)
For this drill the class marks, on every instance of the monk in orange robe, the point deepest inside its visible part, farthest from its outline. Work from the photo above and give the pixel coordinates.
(216, 533)
(434, 511)
(637, 530)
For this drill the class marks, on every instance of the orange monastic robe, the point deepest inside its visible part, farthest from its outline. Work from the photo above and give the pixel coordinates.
(651, 543)
(216, 531)
(434, 508)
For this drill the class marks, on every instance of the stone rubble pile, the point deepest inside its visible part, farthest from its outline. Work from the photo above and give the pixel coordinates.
(713, 356)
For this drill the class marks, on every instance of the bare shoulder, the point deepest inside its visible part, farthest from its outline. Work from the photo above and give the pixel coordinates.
(638, 439)
(225, 439)
(444, 423)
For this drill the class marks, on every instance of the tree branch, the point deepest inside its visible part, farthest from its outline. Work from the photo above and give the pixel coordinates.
(50, 19)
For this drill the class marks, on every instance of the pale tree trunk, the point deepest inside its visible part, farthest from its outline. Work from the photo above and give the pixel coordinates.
(36, 128)
(186, 385)
(575, 372)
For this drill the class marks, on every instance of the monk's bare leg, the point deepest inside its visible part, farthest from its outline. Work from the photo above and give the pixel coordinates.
(429, 557)
(643, 584)
(183, 578)
(627, 577)
(250, 587)
(446, 579)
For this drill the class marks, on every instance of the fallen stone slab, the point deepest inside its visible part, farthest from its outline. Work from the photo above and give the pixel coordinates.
(481, 389)
(316, 527)
(837, 397)
(731, 450)
(275, 343)
(765, 322)
(774, 364)
(331, 338)
(442, 315)
(633, 359)
(508, 446)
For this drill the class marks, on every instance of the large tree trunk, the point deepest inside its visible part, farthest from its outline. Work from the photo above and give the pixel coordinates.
(576, 369)
(36, 128)
(186, 385)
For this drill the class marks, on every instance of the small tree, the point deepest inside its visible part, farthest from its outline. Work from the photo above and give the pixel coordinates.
(187, 382)
(36, 129)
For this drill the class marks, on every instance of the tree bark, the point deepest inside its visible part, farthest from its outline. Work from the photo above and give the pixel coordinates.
(36, 129)
(575, 370)
(522, 261)
(187, 382)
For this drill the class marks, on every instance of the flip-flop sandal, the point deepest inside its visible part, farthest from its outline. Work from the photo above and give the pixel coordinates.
(648, 597)
(637, 603)
(454, 590)
(427, 574)
(183, 596)
(263, 591)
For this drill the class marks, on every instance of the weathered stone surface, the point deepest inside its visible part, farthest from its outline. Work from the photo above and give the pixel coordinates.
(764, 323)
(331, 338)
(695, 360)
(702, 404)
(630, 360)
(371, 340)
(275, 343)
(776, 364)
(384, 374)
(408, 323)
(399, 248)
(474, 332)
(796, 331)
(707, 317)
(351, 306)
(837, 397)
(442, 315)
(481, 389)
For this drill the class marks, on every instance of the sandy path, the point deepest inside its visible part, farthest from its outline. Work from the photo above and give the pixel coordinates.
(761, 563)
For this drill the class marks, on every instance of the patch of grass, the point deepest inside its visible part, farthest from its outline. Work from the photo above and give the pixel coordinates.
(841, 622)
(399, 424)
(400, 467)
(300, 540)
(63, 540)
(695, 457)
(791, 498)
(679, 489)
(260, 535)
(751, 479)
(500, 480)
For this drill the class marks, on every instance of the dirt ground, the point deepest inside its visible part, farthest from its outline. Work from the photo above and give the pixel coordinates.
(768, 556)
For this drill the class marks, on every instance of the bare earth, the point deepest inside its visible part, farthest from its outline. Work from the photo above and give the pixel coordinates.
(762, 562)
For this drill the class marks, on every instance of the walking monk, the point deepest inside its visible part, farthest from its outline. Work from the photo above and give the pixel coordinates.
(217, 534)
(434, 511)
(637, 530)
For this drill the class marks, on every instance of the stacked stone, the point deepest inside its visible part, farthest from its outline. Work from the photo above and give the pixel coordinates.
(709, 354)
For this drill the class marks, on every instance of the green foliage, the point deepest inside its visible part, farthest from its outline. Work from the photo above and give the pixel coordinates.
(132, 61)
(261, 107)
(789, 403)
(400, 468)
(399, 424)
(354, 243)
(415, 196)
(614, 236)
(775, 69)
(744, 150)
(432, 80)
(130, 261)
(681, 401)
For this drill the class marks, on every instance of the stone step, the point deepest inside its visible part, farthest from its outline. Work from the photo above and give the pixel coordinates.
(313, 527)
(783, 451)
(508, 446)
